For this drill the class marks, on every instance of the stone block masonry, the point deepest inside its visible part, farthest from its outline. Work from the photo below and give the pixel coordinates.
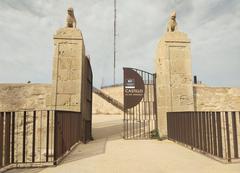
(68, 65)
(174, 77)
(216, 98)
(17, 97)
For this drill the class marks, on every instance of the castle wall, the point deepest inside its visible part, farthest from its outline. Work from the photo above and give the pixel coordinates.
(101, 106)
(205, 99)
(30, 96)
(16, 97)
(216, 98)
(115, 92)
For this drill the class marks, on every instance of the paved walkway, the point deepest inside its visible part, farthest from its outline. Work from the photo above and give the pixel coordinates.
(109, 153)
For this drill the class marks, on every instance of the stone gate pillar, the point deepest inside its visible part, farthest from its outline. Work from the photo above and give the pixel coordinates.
(68, 66)
(174, 77)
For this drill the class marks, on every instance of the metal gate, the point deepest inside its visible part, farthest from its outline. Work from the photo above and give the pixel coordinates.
(140, 106)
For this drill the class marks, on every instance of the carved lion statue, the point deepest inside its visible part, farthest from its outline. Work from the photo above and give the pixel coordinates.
(172, 24)
(71, 20)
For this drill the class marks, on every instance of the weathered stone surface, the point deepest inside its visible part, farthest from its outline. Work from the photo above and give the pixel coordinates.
(68, 33)
(16, 97)
(115, 92)
(69, 58)
(216, 98)
(174, 76)
(101, 106)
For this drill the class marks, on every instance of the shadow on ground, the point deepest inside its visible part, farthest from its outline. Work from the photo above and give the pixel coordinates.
(102, 132)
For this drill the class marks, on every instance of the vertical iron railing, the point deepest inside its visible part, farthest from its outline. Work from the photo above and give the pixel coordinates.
(140, 121)
(1, 138)
(40, 137)
(214, 133)
(26, 137)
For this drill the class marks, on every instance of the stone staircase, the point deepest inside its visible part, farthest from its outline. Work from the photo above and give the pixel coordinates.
(108, 98)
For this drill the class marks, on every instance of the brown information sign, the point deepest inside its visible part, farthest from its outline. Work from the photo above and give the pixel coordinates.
(133, 88)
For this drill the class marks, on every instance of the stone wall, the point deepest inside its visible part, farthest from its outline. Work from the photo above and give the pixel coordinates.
(19, 97)
(173, 66)
(69, 58)
(101, 106)
(216, 98)
(115, 92)
(16, 97)
(205, 99)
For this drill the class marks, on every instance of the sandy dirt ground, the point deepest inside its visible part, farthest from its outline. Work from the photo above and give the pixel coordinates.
(109, 153)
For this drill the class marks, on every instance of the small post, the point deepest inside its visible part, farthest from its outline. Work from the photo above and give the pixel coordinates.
(24, 137)
(195, 79)
(47, 143)
(1, 137)
(34, 136)
(234, 130)
(13, 136)
(7, 139)
(228, 138)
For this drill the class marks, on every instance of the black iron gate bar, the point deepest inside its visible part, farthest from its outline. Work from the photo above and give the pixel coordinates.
(21, 134)
(214, 133)
(39, 138)
(141, 120)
